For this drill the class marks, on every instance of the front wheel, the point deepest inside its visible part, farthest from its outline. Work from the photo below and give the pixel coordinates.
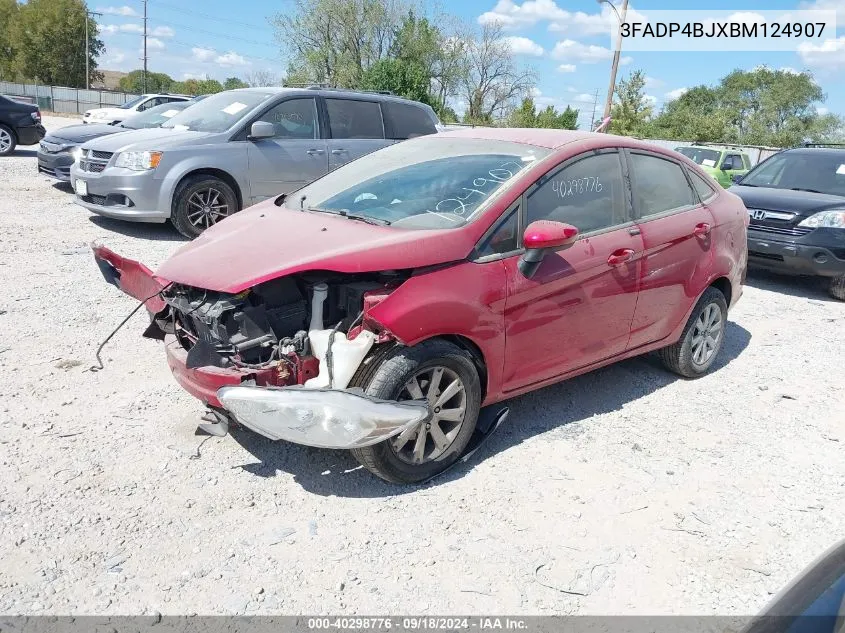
(696, 351)
(837, 288)
(200, 202)
(445, 376)
(8, 141)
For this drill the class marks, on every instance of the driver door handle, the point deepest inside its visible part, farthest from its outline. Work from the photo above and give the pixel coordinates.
(338, 151)
(701, 230)
(311, 152)
(620, 256)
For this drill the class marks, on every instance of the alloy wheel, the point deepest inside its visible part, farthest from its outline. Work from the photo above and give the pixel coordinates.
(207, 207)
(446, 395)
(707, 334)
(5, 141)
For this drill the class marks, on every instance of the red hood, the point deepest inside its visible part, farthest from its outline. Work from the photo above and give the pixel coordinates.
(266, 241)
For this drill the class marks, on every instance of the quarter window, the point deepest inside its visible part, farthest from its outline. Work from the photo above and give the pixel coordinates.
(504, 238)
(659, 185)
(704, 190)
(403, 120)
(354, 119)
(294, 118)
(588, 194)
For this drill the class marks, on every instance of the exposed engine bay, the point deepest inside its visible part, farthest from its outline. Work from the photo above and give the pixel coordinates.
(289, 322)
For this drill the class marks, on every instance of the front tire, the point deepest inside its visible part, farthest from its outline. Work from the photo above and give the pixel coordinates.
(702, 338)
(837, 288)
(200, 202)
(439, 372)
(8, 140)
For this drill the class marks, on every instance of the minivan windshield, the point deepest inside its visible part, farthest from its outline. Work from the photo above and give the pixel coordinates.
(700, 156)
(132, 102)
(821, 171)
(154, 117)
(423, 183)
(218, 112)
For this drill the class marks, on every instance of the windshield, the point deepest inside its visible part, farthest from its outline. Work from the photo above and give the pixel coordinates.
(154, 117)
(218, 112)
(132, 102)
(823, 172)
(424, 183)
(700, 156)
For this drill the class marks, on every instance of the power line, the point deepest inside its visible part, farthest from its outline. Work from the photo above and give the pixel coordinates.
(159, 4)
(204, 32)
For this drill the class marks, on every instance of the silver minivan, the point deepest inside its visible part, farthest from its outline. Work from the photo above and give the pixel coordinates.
(235, 149)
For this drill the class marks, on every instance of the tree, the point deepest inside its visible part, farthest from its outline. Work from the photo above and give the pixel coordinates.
(156, 82)
(261, 78)
(49, 36)
(8, 16)
(526, 116)
(492, 82)
(233, 83)
(694, 116)
(631, 110)
(404, 78)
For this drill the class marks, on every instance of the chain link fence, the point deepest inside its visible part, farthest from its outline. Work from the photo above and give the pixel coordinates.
(62, 99)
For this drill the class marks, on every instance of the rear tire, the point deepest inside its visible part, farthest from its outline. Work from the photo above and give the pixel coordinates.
(837, 288)
(702, 339)
(430, 448)
(200, 202)
(8, 140)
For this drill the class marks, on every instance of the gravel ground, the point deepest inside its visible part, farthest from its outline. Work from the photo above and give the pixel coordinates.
(626, 490)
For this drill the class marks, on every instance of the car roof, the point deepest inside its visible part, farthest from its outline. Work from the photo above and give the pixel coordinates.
(540, 137)
(329, 92)
(834, 151)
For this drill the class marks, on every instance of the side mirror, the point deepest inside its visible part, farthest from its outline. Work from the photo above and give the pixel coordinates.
(737, 178)
(260, 130)
(540, 237)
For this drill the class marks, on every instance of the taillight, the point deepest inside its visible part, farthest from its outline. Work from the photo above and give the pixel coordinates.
(36, 116)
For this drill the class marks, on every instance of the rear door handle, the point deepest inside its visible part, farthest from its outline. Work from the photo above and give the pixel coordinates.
(311, 152)
(338, 151)
(701, 230)
(620, 256)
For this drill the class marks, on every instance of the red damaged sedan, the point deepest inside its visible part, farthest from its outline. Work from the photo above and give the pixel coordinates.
(379, 308)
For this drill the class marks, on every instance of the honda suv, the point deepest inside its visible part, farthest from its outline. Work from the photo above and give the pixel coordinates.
(796, 200)
(237, 148)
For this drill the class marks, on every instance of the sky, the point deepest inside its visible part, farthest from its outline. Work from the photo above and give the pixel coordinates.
(566, 42)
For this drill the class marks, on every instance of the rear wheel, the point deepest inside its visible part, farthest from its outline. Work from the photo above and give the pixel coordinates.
(200, 202)
(702, 339)
(8, 140)
(445, 376)
(837, 288)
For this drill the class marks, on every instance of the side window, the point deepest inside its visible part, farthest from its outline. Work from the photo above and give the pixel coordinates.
(149, 103)
(294, 118)
(588, 194)
(504, 238)
(354, 119)
(746, 162)
(403, 120)
(704, 190)
(659, 185)
(733, 161)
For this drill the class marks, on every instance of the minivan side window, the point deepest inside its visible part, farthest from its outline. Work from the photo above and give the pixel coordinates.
(659, 185)
(588, 194)
(404, 120)
(354, 119)
(294, 118)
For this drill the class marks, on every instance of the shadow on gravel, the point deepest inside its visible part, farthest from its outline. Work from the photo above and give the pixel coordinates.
(141, 230)
(24, 153)
(559, 411)
(63, 186)
(814, 288)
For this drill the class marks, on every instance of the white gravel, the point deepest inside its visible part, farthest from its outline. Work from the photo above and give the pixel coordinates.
(645, 493)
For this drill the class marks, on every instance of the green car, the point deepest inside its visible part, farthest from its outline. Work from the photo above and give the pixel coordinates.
(722, 164)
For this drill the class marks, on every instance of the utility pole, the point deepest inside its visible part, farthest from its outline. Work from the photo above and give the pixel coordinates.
(144, 81)
(88, 14)
(616, 54)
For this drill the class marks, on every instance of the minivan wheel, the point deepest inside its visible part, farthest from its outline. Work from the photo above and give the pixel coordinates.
(702, 339)
(837, 287)
(8, 140)
(200, 202)
(445, 376)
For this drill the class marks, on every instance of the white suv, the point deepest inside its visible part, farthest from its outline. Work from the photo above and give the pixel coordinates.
(133, 106)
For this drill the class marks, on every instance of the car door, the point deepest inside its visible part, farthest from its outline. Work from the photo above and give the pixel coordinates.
(294, 157)
(732, 165)
(676, 232)
(577, 308)
(356, 128)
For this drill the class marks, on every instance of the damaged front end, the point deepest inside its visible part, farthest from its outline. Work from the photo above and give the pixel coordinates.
(279, 357)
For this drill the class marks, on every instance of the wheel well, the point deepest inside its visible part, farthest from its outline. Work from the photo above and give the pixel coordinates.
(477, 357)
(217, 173)
(723, 285)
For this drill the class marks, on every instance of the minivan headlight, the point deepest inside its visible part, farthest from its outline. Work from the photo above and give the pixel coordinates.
(138, 161)
(76, 152)
(834, 219)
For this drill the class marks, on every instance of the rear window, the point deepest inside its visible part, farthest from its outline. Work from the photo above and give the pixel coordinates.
(354, 119)
(404, 120)
(701, 156)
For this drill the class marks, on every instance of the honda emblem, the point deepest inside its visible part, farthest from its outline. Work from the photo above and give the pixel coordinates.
(757, 214)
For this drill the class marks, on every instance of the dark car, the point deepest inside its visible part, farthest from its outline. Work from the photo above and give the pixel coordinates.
(20, 124)
(57, 150)
(796, 200)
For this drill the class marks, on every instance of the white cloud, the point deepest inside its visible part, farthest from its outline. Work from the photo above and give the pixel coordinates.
(231, 59)
(653, 82)
(124, 10)
(567, 68)
(512, 15)
(677, 93)
(534, 93)
(523, 46)
(155, 44)
(203, 54)
(114, 58)
(650, 99)
(828, 5)
(790, 70)
(584, 53)
(584, 97)
(822, 110)
(163, 31)
(186, 76)
(828, 54)
(111, 29)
